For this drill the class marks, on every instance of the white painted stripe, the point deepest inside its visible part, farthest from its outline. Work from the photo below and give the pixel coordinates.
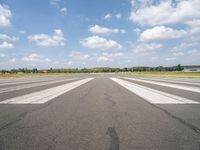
(46, 95)
(152, 95)
(182, 87)
(15, 82)
(20, 87)
(171, 81)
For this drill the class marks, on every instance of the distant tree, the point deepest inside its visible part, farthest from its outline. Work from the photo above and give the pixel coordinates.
(179, 67)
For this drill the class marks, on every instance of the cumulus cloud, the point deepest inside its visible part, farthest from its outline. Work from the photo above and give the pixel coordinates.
(137, 30)
(160, 33)
(5, 37)
(96, 29)
(96, 42)
(63, 11)
(194, 26)
(35, 58)
(57, 39)
(185, 46)
(6, 45)
(107, 16)
(145, 48)
(118, 15)
(165, 12)
(5, 16)
(112, 15)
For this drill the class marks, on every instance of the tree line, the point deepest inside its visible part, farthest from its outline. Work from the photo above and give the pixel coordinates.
(93, 70)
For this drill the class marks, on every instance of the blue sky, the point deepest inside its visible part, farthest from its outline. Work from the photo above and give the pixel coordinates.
(85, 33)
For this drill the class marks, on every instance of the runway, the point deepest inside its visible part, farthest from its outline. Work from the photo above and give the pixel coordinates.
(100, 112)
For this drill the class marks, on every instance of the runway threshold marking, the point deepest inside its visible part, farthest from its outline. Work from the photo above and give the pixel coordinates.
(172, 81)
(24, 81)
(152, 95)
(46, 95)
(182, 87)
(26, 86)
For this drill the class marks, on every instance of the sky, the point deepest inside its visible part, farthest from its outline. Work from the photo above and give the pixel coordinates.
(98, 33)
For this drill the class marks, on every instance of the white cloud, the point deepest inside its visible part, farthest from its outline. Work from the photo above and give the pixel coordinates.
(194, 52)
(160, 33)
(35, 58)
(194, 26)
(63, 11)
(178, 53)
(118, 16)
(166, 12)
(86, 56)
(123, 31)
(193, 39)
(107, 16)
(170, 58)
(117, 54)
(104, 59)
(5, 16)
(113, 15)
(22, 32)
(6, 45)
(146, 48)
(184, 46)
(13, 60)
(57, 39)
(54, 2)
(5, 37)
(96, 29)
(137, 30)
(96, 42)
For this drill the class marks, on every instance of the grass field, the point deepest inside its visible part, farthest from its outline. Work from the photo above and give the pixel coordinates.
(167, 74)
(153, 74)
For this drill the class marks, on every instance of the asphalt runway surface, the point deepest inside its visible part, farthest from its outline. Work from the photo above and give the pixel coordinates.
(100, 112)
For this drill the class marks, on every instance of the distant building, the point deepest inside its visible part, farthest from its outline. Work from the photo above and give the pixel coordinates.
(191, 69)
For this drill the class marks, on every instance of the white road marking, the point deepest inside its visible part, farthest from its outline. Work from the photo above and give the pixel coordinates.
(152, 95)
(182, 87)
(20, 87)
(18, 81)
(171, 81)
(46, 95)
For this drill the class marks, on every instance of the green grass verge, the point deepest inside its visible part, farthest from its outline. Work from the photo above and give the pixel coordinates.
(36, 75)
(152, 74)
(167, 74)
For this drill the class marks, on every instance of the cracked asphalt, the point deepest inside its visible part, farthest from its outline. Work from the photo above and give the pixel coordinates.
(99, 115)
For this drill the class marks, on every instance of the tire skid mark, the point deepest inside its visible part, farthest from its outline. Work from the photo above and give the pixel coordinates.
(114, 139)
